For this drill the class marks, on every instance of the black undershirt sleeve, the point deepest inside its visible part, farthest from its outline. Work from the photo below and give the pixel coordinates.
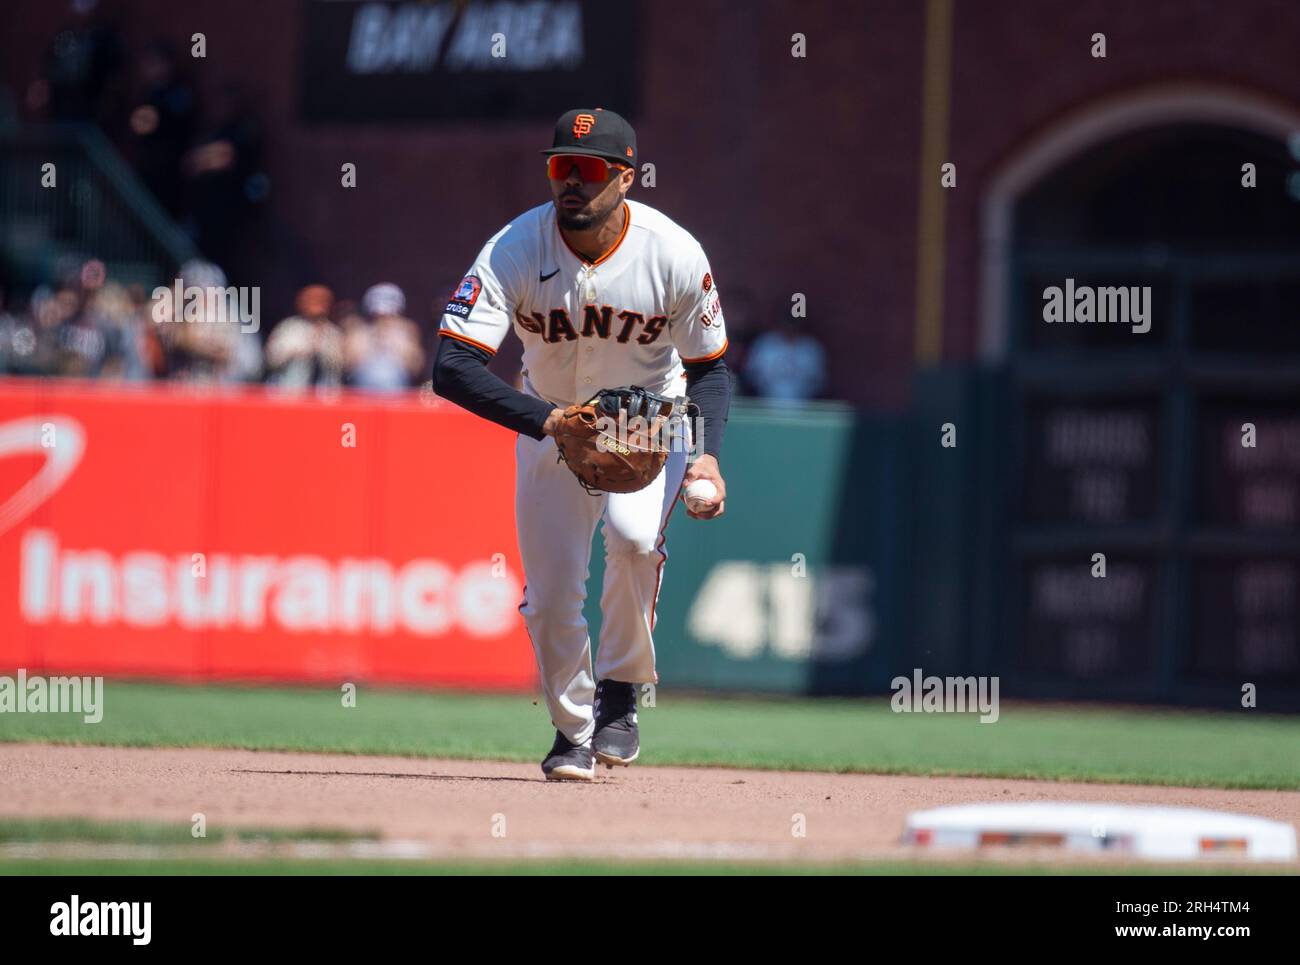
(708, 384)
(460, 374)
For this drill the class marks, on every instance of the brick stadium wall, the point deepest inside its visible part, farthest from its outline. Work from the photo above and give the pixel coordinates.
(797, 175)
(1018, 67)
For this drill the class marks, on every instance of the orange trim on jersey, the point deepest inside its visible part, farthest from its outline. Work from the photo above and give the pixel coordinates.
(465, 338)
(710, 358)
(627, 223)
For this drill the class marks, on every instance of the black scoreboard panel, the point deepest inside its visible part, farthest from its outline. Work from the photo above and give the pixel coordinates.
(1091, 480)
(1246, 620)
(1245, 598)
(1176, 453)
(1234, 316)
(1091, 460)
(1089, 628)
(1248, 463)
(1089, 295)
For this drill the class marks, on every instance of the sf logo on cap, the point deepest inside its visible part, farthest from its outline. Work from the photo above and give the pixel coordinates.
(582, 124)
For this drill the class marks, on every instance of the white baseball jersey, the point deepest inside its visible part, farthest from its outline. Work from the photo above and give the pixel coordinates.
(631, 317)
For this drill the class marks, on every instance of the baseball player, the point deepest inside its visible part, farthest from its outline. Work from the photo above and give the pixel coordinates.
(602, 292)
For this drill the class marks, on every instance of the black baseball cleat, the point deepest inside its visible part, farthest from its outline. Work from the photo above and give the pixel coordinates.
(568, 761)
(616, 740)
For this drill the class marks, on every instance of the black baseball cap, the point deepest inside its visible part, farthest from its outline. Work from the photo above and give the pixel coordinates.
(596, 132)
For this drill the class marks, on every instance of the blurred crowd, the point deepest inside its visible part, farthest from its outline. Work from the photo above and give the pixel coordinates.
(200, 156)
(86, 325)
(89, 326)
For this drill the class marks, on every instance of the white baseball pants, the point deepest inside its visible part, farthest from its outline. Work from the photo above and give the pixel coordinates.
(556, 519)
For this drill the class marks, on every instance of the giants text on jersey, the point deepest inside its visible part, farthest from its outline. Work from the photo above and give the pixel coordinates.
(631, 317)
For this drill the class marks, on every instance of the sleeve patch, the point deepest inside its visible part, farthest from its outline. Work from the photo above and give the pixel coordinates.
(463, 299)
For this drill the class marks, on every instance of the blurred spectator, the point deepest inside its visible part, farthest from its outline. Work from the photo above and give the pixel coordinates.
(383, 348)
(307, 348)
(82, 346)
(222, 180)
(147, 335)
(160, 123)
(130, 349)
(50, 309)
(212, 347)
(17, 341)
(786, 364)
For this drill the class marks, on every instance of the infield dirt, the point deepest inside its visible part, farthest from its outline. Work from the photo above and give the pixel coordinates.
(479, 809)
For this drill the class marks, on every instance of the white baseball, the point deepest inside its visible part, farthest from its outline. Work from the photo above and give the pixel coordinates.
(700, 495)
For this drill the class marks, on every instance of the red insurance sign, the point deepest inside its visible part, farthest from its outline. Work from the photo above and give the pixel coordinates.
(206, 533)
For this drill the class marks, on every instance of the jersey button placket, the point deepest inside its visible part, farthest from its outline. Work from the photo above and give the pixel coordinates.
(587, 293)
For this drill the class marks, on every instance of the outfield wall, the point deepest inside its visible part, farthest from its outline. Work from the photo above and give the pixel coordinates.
(167, 531)
(242, 534)
(799, 587)
(205, 533)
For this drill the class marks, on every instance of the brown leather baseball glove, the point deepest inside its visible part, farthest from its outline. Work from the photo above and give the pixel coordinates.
(619, 440)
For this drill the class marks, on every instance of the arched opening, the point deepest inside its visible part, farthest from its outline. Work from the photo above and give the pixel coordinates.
(1176, 185)
(1077, 135)
(1144, 308)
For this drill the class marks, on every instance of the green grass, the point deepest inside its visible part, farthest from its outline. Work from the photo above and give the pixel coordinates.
(86, 847)
(1106, 744)
(86, 831)
(79, 867)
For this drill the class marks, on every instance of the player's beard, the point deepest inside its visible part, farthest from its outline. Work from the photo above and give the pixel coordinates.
(595, 214)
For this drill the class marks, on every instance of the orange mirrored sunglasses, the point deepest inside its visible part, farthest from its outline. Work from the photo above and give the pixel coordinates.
(590, 168)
